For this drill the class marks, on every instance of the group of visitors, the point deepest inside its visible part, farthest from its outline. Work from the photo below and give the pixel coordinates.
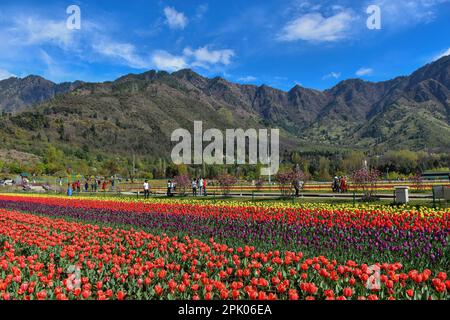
(339, 184)
(199, 187)
(94, 184)
(170, 188)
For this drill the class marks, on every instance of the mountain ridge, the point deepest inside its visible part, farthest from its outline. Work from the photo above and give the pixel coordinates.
(137, 112)
(65, 87)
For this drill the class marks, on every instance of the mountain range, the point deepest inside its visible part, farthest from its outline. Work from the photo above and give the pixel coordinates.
(138, 112)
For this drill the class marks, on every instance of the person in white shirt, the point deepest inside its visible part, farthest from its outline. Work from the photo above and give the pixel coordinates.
(169, 188)
(200, 186)
(146, 189)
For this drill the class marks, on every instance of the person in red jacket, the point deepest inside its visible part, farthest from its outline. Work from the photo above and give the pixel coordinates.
(343, 185)
(204, 187)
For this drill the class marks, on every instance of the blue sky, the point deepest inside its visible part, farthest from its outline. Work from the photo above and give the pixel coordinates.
(280, 43)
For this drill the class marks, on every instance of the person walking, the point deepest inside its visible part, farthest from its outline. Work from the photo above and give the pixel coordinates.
(146, 189)
(296, 185)
(169, 188)
(200, 186)
(204, 187)
(194, 188)
(69, 190)
(335, 185)
(86, 186)
(343, 185)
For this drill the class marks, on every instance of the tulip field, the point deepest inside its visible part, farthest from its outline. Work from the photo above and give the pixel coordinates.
(54, 247)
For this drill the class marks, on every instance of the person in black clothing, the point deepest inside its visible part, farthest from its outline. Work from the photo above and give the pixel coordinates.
(297, 188)
(194, 188)
(169, 188)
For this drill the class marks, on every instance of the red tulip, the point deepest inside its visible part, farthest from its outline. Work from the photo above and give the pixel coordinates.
(158, 290)
(348, 292)
(410, 293)
(121, 295)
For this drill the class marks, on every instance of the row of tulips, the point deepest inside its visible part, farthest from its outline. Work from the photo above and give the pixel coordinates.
(415, 238)
(281, 204)
(51, 258)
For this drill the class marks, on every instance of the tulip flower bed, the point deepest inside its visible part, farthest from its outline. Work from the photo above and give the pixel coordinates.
(113, 263)
(415, 238)
(165, 249)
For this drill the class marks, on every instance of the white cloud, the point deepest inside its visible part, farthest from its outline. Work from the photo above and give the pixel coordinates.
(248, 79)
(22, 34)
(34, 30)
(442, 54)
(4, 74)
(364, 72)
(40, 38)
(316, 27)
(203, 56)
(175, 19)
(335, 75)
(166, 61)
(125, 52)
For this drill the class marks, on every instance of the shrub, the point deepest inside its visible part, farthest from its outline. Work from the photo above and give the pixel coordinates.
(365, 179)
(182, 183)
(288, 179)
(226, 182)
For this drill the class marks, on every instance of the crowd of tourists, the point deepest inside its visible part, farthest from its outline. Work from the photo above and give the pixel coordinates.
(89, 185)
(199, 187)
